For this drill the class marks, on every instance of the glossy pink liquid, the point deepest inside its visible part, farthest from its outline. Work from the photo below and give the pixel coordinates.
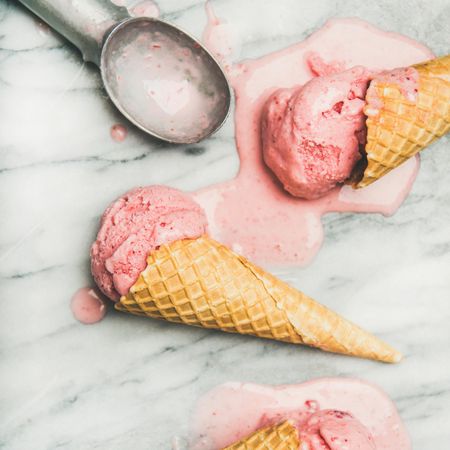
(119, 132)
(234, 410)
(252, 213)
(218, 38)
(145, 8)
(87, 306)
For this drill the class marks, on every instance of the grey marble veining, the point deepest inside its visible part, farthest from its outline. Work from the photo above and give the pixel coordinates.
(130, 383)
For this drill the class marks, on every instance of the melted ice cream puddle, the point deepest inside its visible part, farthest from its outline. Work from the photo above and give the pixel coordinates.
(232, 411)
(253, 212)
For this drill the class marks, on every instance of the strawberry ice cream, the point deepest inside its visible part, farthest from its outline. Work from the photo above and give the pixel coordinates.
(312, 134)
(335, 430)
(133, 226)
(329, 414)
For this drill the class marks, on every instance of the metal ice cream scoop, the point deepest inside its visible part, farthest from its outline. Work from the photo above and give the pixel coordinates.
(159, 77)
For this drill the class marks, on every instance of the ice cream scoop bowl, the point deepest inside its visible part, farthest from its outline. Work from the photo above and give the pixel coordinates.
(162, 79)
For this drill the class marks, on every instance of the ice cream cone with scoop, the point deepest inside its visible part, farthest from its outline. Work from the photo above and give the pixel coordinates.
(324, 430)
(283, 436)
(403, 121)
(153, 257)
(353, 126)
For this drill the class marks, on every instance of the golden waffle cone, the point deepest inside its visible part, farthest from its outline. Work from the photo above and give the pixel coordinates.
(203, 283)
(402, 128)
(283, 436)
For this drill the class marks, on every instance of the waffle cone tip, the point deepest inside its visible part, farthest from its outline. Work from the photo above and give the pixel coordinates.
(201, 282)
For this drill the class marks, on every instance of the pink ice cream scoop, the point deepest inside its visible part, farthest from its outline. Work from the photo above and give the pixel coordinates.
(334, 430)
(324, 429)
(312, 134)
(133, 226)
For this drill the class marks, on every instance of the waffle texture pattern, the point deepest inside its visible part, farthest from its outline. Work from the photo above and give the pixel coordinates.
(203, 283)
(283, 436)
(402, 128)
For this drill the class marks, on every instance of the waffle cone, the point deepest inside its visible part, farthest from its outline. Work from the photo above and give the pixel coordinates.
(283, 436)
(203, 283)
(401, 128)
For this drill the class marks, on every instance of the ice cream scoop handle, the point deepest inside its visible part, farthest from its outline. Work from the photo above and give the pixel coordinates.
(83, 22)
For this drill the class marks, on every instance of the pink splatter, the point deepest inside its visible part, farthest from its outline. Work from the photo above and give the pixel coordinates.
(87, 306)
(146, 8)
(119, 132)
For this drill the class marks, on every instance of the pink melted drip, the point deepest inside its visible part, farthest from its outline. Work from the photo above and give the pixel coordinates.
(145, 8)
(234, 410)
(118, 132)
(252, 213)
(218, 37)
(87, 306)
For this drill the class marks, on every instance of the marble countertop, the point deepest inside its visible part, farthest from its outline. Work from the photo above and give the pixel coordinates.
(130, 383)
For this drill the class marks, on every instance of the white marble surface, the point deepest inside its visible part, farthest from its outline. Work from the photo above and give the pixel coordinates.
(130, 383)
